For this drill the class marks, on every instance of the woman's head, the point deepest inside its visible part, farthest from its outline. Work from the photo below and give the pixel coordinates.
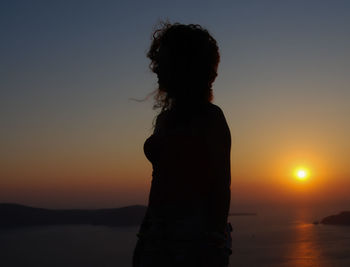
(185, 59)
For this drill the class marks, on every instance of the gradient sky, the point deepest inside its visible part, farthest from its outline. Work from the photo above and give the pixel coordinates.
(71, 137)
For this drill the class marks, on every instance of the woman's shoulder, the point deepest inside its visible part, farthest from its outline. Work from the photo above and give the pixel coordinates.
(214, 110)
(215, 114)
(207, 115)
(216, 122)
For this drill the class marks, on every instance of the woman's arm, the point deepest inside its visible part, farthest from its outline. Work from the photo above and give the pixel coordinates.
(218, 144)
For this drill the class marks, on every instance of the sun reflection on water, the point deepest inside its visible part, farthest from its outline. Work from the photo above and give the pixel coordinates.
(305, 249)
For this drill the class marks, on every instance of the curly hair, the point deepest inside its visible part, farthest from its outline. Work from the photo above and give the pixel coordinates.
(185, 59)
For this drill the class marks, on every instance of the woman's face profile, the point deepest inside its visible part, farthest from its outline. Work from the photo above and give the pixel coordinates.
(165, 70)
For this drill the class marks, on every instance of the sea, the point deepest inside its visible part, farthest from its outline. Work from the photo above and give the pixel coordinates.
(273, 237)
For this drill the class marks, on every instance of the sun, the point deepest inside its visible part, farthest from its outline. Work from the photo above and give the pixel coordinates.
(301, 174)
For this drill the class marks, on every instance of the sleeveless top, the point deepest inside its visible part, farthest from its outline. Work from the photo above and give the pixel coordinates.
(190, 156)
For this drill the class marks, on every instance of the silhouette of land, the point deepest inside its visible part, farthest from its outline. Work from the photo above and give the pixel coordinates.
(342, 218)
(242, 214)
(16, 215)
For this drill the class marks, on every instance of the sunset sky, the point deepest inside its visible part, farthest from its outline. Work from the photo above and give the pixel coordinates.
(71, 135)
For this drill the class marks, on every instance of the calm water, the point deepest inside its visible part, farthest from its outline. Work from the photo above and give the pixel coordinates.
(284, 238)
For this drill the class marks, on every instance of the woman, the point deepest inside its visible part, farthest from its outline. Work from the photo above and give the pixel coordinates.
(186, 220)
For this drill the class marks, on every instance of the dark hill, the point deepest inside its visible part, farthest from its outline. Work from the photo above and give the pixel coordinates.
(342, 218)
(15, 215)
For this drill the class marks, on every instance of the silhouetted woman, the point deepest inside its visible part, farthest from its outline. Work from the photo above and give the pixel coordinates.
(186, 220)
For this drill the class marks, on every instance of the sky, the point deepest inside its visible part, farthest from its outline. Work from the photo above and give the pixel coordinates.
(71, 135)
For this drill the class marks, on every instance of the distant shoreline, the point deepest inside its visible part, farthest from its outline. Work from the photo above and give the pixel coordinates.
(16, 215)
(343, 218)
(243, 214)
